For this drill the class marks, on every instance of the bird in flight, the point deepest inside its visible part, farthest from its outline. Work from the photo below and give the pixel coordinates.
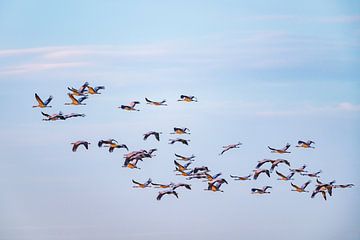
(181, 167)
(304, 144)
(257, 172)
(282, 150)
(53, 117)
(241, 178)
(183, 141)
(231, 146)
(185, 98)
(168, 192)
(285, 178)
(156, 134)
(300, 189)
(314, 175)
(180, 131)
(260, 190)
(274, 163)
(75, 101)
(94, 90)
(78, 143)
(161, 103)
(183, 158)
(130, 107)
(215, 185)
(142, 185)
(350, 185)
(299, 170)
(41, 103)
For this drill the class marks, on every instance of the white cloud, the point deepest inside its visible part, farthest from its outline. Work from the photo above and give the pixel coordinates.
(346, 106)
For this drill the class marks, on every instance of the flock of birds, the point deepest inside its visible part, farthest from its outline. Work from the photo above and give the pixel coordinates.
(214, 181)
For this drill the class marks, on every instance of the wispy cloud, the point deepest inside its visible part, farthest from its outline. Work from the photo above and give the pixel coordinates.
(36, 67)
(311, 110)
(245, 51)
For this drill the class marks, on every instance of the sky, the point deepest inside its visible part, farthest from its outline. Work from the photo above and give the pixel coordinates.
(266, 73)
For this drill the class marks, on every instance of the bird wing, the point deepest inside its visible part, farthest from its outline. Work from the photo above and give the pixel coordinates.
(273, 149)
(149, 101)
(305, 184)
(45, 114)
(136, 182)
(48, 100)
(260, 163)
(146, 135)
(75, 146)
(99, 88)
(73, 99)
(297, 187)
(38, 99)
(280, 174)
(286, 147)
(80, 100)
(157, 136)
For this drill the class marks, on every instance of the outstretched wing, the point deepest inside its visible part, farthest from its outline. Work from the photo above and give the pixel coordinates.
(48, 100)
(280, 174)
(45, 114)
(38, 99)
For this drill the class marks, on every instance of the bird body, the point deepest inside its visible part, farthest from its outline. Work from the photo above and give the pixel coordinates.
(282, 150)
(260, 190)
(183, 141)
(304, 144)
(241, 178)
(41, 103)
(161, 103)
(185, 98)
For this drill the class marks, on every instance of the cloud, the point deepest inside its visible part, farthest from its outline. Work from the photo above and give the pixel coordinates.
(346, 106)
(257, 50)
(37, 67)
(311, 110)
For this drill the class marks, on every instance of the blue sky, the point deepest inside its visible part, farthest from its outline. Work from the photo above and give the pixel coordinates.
(265, 73)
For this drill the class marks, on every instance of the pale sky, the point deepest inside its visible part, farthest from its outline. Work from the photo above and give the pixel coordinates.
(265, 73)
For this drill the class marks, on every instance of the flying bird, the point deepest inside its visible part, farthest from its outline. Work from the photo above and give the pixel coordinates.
(183, 141)
(95, 90)
(260, 190)
(182, 167)
(41, 103)
(313, 175)
(75, 101)
(285, 178)
(76, 92)
(231, 146)
(180, 131)
(299, 170)
(185, 98)
(307, 144)
(78, 143)
(108, 142)
(53, 117)
(344, 185)
(142, 185)
(282, 150)
(130, 107)
(156, 134)
(168, 192)
(241, 178)
(300, 189)
(162, 103)
(257, 172)
(183, 158)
